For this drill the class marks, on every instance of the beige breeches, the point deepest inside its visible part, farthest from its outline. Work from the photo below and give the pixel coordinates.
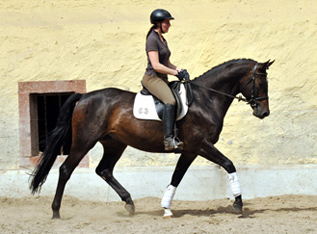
(159, 88)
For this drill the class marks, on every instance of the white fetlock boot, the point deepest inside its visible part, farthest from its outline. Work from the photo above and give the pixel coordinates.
(167, 200)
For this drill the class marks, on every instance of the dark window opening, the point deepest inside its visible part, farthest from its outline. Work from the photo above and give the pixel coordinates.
(45, 109)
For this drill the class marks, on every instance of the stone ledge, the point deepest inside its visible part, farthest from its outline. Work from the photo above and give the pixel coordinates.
(200, 182)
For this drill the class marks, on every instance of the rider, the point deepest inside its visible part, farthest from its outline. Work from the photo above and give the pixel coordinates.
(159, 66)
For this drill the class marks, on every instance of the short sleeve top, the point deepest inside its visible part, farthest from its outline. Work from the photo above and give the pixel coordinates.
(153, 42)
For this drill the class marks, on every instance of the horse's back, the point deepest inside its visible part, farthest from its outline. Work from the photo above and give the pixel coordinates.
(107, 98)
(96, 108)
(109, 93)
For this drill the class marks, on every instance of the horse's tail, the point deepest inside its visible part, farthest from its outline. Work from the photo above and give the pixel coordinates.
(54, 143)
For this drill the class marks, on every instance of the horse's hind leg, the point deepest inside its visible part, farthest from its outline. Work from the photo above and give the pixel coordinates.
(112, 153)
(75, 156)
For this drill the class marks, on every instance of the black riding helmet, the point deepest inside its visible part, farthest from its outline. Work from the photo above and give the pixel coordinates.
(159, 15)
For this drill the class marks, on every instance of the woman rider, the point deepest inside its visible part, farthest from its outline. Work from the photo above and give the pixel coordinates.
(159, 66)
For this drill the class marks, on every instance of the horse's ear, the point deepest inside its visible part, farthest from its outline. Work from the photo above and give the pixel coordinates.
(266, 65)
(269, 63)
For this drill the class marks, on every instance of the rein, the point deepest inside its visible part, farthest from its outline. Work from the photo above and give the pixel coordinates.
(251, 101)
(240, 98)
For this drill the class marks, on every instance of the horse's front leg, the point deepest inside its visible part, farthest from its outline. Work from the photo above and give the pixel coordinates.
(236, 191)
(211, 153)
(183, 164)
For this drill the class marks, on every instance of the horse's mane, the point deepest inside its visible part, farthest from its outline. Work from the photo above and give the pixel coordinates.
(221, 66)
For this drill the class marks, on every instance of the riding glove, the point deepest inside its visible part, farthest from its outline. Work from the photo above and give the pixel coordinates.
(183, 74)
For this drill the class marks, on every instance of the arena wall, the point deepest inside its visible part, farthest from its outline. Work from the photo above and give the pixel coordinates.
(102, 42)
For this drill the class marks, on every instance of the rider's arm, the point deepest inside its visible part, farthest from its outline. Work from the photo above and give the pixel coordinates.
(169, 64)
(157, 66)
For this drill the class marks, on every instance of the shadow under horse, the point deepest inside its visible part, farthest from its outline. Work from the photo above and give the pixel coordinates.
(106, 116)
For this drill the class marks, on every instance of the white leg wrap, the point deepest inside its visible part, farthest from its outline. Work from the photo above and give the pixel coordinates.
(168, 197)
(235, 184)
(167, 213)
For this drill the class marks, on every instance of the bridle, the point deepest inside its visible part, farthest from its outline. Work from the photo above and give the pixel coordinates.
(252, 101)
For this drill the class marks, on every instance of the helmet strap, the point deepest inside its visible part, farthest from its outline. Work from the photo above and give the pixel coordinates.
(161, 28)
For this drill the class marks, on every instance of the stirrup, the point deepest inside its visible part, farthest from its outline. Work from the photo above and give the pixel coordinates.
(172, 143)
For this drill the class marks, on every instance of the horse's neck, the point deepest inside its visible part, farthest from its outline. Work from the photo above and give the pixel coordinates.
(220, 102)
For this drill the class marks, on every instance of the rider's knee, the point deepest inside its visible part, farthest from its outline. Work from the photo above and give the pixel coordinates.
(171, 102)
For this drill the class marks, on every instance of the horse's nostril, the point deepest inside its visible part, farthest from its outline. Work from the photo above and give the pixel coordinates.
(265, 114)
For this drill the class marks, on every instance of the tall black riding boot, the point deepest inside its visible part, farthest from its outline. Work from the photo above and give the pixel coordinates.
(170, 140)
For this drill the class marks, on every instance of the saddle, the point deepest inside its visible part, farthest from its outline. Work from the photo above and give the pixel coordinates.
(159, 105)
(147, 106)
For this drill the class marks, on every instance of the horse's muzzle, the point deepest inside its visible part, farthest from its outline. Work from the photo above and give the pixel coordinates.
(261, 112)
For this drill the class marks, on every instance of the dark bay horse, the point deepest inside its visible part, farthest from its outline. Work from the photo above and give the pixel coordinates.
(106, 116)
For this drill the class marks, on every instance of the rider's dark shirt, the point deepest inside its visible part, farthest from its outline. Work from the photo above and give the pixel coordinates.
(153, 42)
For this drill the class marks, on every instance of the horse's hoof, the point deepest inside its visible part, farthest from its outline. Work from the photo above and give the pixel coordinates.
(56, 215)
(167, 214)
(130, 208)
(237, 208)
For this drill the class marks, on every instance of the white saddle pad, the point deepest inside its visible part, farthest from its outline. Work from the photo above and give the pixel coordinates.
(144, 106)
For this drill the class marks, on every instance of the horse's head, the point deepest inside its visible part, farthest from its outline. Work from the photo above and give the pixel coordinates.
(254, 87)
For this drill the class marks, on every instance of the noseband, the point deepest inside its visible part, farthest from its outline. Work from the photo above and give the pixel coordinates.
(252, 101)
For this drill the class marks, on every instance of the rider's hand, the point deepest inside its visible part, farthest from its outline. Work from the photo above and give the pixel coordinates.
(183, 74)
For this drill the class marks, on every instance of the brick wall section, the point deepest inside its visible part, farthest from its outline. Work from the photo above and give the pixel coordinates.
(27, 88)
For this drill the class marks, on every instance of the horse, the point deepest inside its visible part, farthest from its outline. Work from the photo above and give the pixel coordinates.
(106, 116)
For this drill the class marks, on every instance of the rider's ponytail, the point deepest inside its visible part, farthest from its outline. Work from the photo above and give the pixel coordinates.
(153, 27)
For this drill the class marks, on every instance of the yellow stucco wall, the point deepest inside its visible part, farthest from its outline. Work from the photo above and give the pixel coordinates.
(103, 42)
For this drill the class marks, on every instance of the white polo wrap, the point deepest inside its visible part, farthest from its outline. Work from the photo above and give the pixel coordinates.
(235, 184)
(168, 197)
